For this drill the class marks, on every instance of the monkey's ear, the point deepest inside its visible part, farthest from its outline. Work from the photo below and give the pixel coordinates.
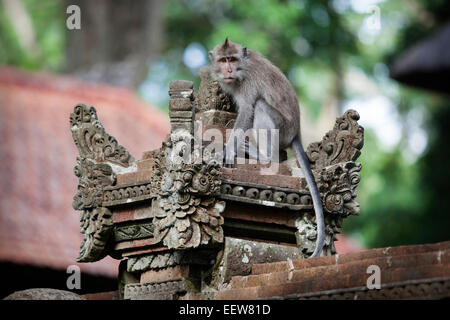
(210, 55)
(244, 52)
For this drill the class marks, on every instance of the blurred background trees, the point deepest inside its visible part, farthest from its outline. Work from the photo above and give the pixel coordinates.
(336, 53)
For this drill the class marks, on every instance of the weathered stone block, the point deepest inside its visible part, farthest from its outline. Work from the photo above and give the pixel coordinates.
(239, 256)
(169, 274)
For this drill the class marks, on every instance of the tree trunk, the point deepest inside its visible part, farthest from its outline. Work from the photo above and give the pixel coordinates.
(117, 41)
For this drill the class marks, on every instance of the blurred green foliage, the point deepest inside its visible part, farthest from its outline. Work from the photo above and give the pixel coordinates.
(48, 21)
(318, 44)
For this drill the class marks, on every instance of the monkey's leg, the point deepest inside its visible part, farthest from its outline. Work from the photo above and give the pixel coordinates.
(243, 123)
(268, 142)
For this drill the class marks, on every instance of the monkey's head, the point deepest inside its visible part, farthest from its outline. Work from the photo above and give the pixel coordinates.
(229, 61)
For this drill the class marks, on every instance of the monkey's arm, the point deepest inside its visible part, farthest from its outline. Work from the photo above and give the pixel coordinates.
(244, 122)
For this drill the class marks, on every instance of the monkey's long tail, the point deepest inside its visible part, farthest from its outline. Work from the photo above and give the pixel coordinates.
(317, 202)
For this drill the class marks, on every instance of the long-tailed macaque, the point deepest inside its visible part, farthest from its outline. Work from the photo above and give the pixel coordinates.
(265, 100)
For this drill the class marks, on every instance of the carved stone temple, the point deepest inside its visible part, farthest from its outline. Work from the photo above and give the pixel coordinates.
(183, 226)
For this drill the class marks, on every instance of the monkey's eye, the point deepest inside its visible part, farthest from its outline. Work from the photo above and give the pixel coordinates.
(223, 60)
(233, 59)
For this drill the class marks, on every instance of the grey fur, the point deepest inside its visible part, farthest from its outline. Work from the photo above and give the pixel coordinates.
(265, 100)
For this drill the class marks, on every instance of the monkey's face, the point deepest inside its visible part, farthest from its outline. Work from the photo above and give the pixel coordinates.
(228, 67)
(229, 62)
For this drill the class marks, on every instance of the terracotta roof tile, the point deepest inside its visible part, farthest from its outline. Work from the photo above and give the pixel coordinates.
(422, 271)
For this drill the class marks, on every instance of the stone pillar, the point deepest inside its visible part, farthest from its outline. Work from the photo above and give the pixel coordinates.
(181, 105)
(170, 275)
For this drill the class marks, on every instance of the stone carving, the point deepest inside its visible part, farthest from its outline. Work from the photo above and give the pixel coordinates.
(306, 235)
(337, 185)
(341, 144)
(95, 220)
(116, 195)
(153, 261)
(168, 290)
(92, 141)
(168, 259)
(92, 178)
(265, 195)
(132, 232)
(186, 212)
(100, 156)
(96, 226)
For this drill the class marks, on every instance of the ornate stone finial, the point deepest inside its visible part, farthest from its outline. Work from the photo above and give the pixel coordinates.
(100, 155)
(339, 174)
(341, 144)
(337, 177)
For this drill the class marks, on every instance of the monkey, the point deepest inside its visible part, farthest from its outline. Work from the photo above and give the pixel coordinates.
(265, 99)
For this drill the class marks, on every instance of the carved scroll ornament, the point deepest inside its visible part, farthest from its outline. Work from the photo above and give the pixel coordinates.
(92, 141)
(337, 177)
(341, 144)
(99, 155)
